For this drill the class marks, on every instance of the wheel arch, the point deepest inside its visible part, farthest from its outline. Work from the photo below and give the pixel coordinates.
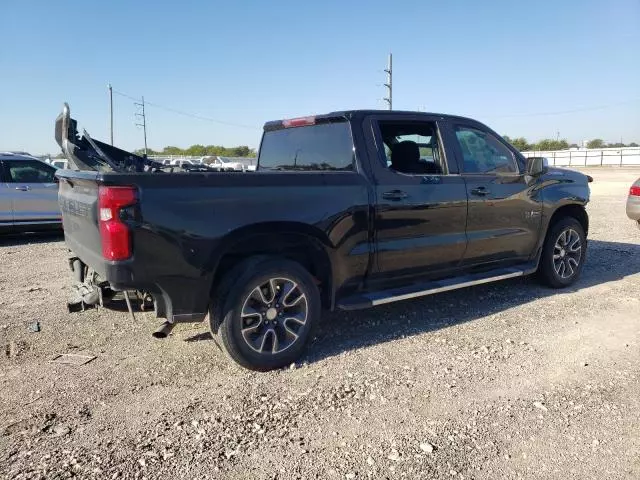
(574, 210)
(294, 241)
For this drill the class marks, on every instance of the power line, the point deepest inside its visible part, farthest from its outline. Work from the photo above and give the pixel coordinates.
(126, 96)
(563, 112)
(187, 114)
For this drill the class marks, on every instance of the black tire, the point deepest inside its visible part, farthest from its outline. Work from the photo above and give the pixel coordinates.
(550, 272)
(249, 317)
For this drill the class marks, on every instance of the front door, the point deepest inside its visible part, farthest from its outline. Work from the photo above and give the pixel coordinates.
(34, 192)
(421, 208)
(504, 216)
(6, 203)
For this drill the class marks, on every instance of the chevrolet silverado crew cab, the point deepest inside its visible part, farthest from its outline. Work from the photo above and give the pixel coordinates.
(346, 210)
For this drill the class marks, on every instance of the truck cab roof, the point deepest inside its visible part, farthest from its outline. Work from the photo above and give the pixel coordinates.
(354, 114)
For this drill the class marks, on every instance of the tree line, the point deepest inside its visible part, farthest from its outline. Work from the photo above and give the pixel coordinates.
(547, 144)
(202, 151)
(520, 143)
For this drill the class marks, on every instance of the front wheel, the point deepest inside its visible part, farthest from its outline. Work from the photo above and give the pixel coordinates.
(268, 313)
(563, 253)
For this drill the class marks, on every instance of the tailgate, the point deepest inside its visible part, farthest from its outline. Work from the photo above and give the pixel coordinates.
(78, 199)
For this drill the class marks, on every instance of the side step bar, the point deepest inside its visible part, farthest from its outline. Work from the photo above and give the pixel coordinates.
(372, 299)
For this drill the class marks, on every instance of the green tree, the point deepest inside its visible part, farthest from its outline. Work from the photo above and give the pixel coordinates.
(550, 144)
(214, 150)
(140, 151)
(521, 144)
(595, 143)
(209, 150)
(196, 150)
(633, 144)
(241, 151)
(545, 144)
(172, 151)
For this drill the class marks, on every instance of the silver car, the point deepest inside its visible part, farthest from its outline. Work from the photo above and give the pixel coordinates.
(28, 194)
(633, 202)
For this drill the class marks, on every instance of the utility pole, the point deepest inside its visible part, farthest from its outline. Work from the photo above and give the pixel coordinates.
(110, 111)
(143, 124)
(389, 84)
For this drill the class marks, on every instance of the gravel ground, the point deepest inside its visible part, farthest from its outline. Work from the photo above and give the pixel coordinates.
(510, 380)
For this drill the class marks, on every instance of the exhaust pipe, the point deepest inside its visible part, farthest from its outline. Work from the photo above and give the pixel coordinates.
(164, 330)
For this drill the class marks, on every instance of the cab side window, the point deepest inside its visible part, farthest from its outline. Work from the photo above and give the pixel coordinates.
(484, 153)
(412, 148)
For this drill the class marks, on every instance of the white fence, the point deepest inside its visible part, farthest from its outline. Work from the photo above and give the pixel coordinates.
(591, 156)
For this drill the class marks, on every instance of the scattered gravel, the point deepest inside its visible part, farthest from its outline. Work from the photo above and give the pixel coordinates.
(497, 381)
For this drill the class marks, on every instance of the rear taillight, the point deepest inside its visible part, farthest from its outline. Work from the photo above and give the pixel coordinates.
(115, 234)
(635, 191)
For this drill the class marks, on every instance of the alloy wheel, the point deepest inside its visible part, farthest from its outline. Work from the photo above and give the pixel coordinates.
(273, 314)
(567, 253)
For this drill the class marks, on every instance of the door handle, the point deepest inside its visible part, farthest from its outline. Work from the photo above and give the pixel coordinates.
(481, 191)
(395, 195)
(23, 188)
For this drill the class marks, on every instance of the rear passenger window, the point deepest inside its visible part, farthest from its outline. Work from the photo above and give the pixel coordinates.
(323, 147)
(484, 153)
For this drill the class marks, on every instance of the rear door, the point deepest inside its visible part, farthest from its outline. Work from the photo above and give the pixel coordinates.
(504, 213)
(34, 191)
(421, 202)
(6, 200)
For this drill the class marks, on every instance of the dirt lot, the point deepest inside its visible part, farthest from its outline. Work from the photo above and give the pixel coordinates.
(507, 380)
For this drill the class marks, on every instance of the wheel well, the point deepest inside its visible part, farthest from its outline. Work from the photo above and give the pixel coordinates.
(300, 248)
(576, 211)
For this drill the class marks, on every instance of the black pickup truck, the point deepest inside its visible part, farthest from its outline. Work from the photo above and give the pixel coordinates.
(346, 210)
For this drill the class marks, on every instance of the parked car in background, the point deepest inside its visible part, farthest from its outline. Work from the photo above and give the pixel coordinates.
(633, 202)
(222, 164)
(59, 163)
(179, 162)
(28, 194)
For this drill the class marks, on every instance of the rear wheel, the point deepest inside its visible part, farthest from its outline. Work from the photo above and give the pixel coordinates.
(264, 312)
(563, 253)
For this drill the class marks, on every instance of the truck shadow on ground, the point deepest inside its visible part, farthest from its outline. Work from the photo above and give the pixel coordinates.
(345, 331)
(17, 239)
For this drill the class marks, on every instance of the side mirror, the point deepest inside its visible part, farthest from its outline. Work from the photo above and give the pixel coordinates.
(537, 166)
